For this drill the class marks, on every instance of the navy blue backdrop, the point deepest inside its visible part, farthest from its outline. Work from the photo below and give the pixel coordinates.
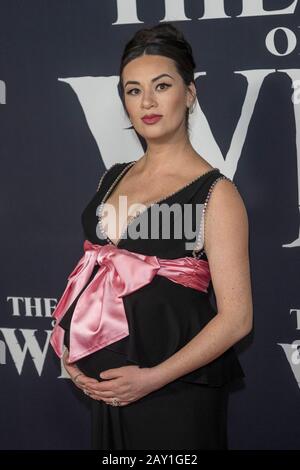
(62, 124)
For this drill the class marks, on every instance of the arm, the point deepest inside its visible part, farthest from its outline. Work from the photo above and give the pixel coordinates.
(226, 246)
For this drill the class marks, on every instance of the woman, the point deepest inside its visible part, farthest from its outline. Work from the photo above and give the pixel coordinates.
(163, 349)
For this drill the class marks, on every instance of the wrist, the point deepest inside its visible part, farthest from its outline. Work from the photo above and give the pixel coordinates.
(158, 377)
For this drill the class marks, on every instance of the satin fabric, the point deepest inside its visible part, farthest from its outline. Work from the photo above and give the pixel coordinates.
(99, 318)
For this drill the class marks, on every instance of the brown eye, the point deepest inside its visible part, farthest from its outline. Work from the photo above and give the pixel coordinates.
(165, 85)
(129, 92)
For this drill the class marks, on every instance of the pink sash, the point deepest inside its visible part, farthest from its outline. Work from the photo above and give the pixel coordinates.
(99, 317)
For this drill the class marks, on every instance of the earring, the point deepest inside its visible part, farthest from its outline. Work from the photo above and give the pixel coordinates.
(192, 107)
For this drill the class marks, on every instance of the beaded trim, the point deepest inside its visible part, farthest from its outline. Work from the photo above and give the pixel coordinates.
(102, 176)
(199, 245)
(105, 197)
(146, 206)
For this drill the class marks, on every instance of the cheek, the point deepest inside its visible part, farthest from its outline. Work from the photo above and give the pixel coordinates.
(132, 106)
(175, 104)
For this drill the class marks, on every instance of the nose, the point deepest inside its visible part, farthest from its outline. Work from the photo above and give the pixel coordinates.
(148, 99)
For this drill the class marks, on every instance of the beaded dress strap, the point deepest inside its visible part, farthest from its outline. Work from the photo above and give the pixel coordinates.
(104, 174)
(198, 250)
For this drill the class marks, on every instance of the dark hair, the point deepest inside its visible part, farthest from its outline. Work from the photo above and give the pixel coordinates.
(162, 39)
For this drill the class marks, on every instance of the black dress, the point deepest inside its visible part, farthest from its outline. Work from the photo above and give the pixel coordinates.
(187, 413)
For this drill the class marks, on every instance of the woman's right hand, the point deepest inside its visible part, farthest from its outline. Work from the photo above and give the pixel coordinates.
(79, 378)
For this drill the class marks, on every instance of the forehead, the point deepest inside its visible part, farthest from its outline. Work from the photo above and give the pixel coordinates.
(148, 66)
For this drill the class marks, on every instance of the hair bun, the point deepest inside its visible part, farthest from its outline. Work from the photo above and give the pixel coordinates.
(168, 30)
(163, 34)
(164, 31)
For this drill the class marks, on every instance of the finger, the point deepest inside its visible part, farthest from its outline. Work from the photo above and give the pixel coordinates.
(102, 396)
(86, 381)
(107, 397)
(105, 393)
(83, 386)
(110, 373)
(79, 378)
(96, 397)
(72, 371)
(104, 386)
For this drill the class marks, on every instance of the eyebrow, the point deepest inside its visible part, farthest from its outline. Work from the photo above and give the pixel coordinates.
(134, 82)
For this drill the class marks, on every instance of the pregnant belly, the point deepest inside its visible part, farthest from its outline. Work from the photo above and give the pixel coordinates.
(100, 361)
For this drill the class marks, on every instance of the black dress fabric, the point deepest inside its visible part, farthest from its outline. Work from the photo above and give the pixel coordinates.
(190, 412)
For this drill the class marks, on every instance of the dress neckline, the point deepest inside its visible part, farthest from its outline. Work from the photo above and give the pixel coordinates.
(147, 206)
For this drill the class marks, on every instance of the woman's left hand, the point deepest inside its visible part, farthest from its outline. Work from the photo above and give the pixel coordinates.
(127, 384)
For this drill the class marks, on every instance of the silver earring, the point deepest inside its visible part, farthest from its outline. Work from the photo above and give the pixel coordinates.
(192, 107)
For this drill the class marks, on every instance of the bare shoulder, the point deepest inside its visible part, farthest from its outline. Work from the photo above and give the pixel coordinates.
(224, 193)
(226, 213)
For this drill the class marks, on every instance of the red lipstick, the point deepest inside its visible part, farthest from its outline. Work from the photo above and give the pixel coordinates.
(151, 118)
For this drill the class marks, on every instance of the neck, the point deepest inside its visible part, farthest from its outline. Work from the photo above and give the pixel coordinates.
(164, 158)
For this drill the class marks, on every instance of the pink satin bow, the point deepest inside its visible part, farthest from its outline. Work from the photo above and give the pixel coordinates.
(99, 317)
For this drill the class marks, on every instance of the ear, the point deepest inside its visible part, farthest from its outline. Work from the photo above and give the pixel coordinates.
(191, 94)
